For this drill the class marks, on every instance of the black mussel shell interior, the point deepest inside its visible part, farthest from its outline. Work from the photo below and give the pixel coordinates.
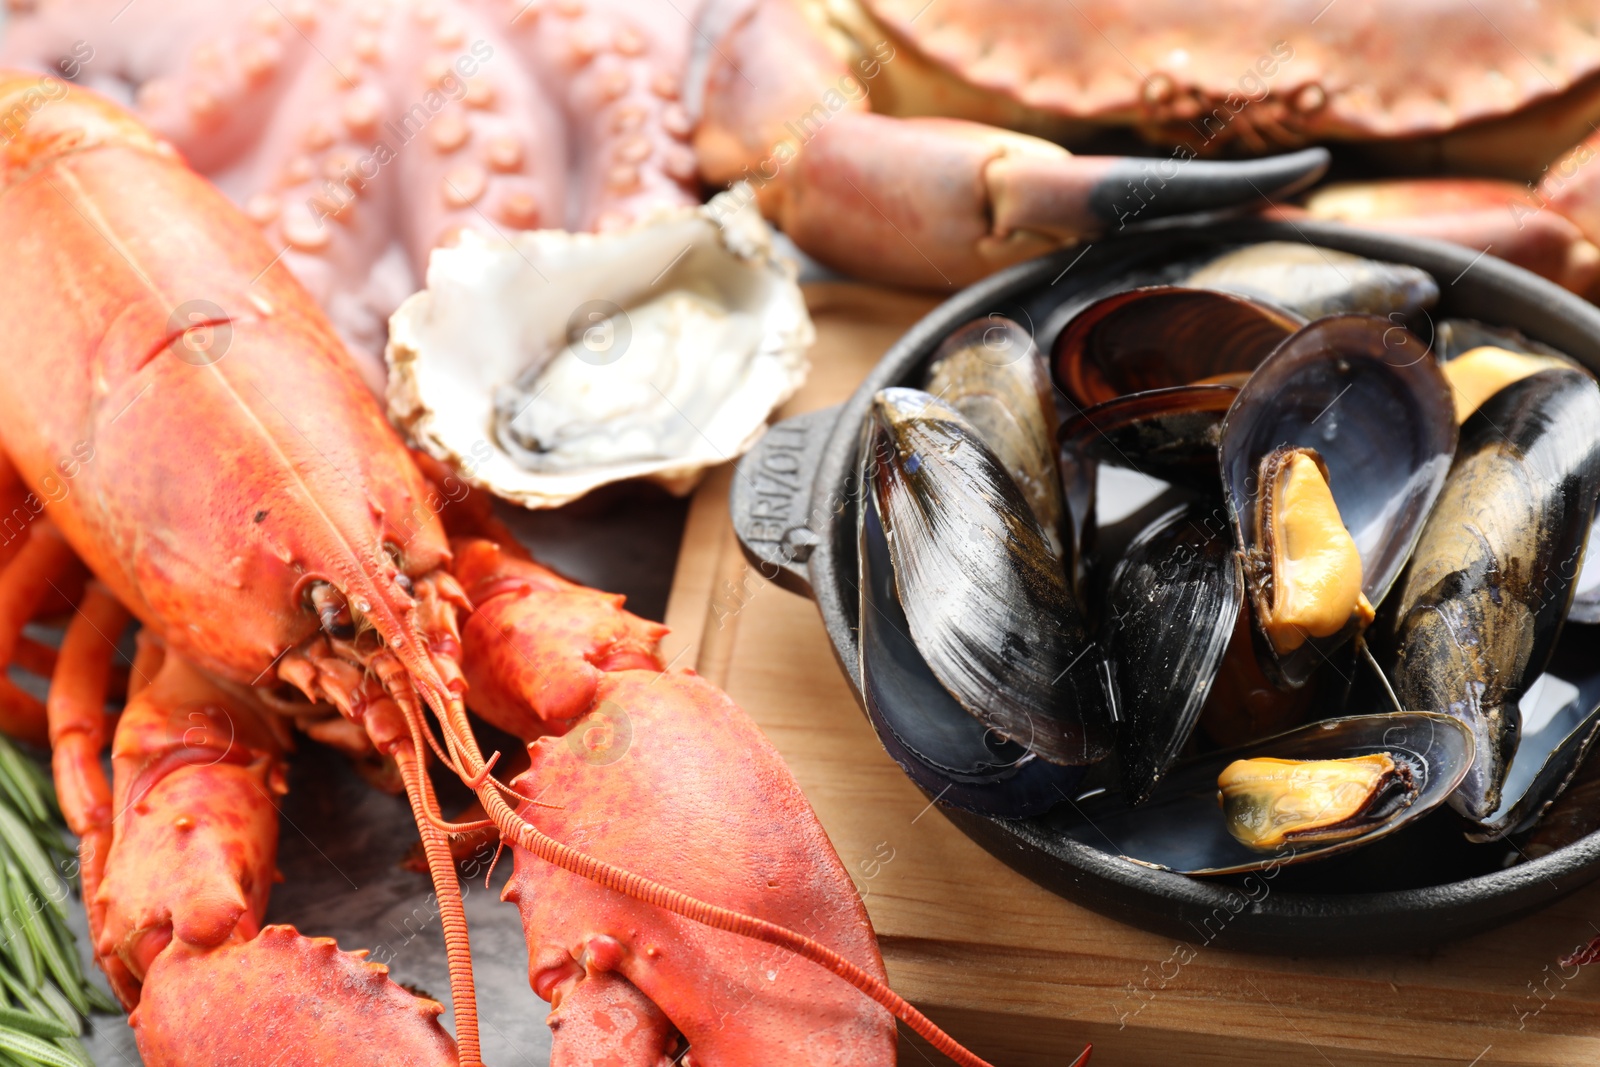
(1372, 402)
(1181, 827)
(1171, 434)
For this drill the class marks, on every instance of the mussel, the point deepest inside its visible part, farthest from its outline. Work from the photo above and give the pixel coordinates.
(936, 741)
(1560, 713)
(1270, 803)
(992, 373)
(1490, 581)
(986, 600)
(1451, 337)
(1340, 805)
(1332, 455)
(1315, 282)
(1159, 337)
(1480, 361)
(1152, 370)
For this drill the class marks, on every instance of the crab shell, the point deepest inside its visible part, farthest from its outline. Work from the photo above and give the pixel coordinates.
(1265, 74)
(498, 310)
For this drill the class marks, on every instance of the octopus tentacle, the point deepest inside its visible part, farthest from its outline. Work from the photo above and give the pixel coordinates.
(616, 71)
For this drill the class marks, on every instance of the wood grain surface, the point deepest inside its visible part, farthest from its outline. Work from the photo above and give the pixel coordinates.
(1023, 976)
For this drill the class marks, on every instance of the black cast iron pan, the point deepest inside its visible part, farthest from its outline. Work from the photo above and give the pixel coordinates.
(794, 511)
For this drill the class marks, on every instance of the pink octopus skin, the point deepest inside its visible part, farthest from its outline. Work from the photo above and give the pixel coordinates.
(360, 135)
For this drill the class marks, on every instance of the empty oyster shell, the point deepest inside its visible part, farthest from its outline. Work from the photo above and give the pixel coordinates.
(545, 364)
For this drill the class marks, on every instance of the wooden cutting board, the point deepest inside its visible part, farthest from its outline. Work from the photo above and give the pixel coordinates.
(1023, 976)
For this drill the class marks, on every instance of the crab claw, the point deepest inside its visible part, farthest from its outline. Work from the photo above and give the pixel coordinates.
(285, 999)
(937, 203)
(929, 202)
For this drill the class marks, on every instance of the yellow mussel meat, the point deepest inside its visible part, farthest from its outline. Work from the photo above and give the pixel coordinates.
(1479, 373)
(1269, 803)
(1315, 569)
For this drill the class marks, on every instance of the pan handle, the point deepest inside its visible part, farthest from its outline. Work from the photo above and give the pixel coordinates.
(771, 498)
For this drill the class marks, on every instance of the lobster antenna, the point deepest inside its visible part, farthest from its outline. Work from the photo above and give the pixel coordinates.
(447, 891)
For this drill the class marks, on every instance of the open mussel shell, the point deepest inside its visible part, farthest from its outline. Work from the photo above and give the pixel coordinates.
(1161, 337)
(986, 601)
(1171, 434)
(937, 742)
(1372, 403)
(1182, 827)
(995, 376)
(1168, 620)
(1315, 282)
(1493, 573)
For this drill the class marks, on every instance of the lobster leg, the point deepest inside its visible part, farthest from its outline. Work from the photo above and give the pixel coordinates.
(78, 733)
(176, 916)
(32, 575)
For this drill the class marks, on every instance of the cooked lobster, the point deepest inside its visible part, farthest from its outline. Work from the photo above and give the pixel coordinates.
(178, 419)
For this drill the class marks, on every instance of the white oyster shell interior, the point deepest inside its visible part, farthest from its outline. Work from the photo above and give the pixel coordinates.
(544, 364)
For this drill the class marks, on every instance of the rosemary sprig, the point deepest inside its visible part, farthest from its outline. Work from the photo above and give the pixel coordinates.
(44, 994)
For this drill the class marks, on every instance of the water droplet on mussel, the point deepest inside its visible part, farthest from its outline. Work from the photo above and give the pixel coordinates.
(1493, 574)
(985, 599)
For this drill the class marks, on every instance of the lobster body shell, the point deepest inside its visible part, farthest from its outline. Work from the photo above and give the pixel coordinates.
(201, 439)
